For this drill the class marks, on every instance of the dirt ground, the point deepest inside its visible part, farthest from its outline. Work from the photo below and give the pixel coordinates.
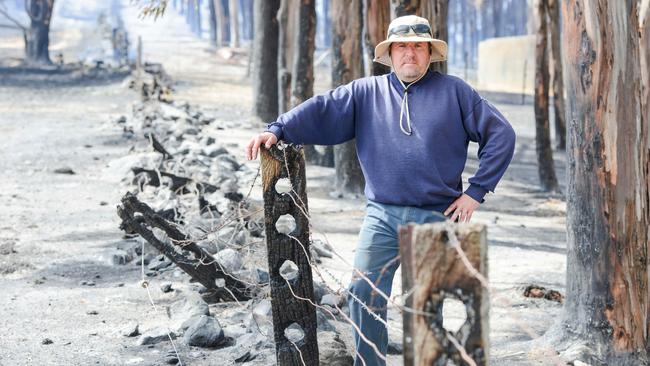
(57, 230)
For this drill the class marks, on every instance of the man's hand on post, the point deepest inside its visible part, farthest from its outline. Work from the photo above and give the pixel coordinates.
(266, 138)
(462, 208)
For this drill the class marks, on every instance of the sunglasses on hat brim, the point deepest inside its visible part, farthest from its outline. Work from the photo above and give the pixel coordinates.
(405, 29)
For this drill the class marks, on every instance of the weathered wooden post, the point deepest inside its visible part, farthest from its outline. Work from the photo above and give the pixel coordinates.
(294, 319)
(432, 271)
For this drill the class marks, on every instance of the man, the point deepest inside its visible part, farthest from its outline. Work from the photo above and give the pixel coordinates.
(412, 129)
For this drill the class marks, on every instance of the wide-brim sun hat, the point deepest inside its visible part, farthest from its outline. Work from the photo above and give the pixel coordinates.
(410, 28)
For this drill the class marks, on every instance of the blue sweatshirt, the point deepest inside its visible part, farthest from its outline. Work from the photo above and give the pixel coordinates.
(422, 169)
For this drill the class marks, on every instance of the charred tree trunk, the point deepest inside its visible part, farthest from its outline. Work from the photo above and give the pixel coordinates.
(213, 23)
(265, 60)
(406, 7)
(347, 65)
(608, 207)
(436, 11)
(37, 40)
(377, 18)
(497, 10)
(302, 78)
(286, 29)
(222, 24)
(199, 30)
(558, 82)
(247, 17)
(545, 165)
(234, 23)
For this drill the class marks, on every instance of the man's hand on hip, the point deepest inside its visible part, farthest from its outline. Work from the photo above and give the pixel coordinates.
(462, 208)
(266, 138)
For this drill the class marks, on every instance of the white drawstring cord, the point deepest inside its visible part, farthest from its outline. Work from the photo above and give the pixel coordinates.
(405, 102)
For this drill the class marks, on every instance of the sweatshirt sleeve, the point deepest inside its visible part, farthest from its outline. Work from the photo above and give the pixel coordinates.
(326, 119)
(496, 139)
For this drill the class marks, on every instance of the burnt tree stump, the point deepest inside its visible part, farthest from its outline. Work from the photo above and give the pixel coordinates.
(433, 271)
(294, 318)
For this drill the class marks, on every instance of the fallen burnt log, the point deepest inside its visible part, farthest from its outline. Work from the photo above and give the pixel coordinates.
(187, 255)
(179, 184)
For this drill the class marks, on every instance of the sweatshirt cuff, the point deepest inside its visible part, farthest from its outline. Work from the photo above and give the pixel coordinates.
(276, 130)
(476, 192)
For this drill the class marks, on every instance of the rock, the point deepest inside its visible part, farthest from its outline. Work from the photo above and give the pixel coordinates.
(7, 247)
(395, 348)
(332, 350)
(322, 321)
(166, 287)
(234, 331)
(244, 356)
(159, 263)
(203, 331)
(190, 306)
(227, 162)
(320, 290)
(319, 247)
(131, 330)
(230, 260)
(120, 257)
(332, 300)
(47, 341)
(214, 151)
(64, 170)
(155, 336)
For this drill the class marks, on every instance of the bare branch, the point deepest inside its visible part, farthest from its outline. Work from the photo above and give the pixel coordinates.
(6, 14)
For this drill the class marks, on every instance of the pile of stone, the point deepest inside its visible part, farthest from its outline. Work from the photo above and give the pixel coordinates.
(178, 168)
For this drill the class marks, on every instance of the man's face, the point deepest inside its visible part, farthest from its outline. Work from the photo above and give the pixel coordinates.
(410, 59)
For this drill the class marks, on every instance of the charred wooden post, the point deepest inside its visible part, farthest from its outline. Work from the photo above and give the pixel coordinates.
(294, 318)
(138, 217)
(432, 271)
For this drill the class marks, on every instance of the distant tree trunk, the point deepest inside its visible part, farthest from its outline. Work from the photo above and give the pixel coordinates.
(302, 78)
(234, 24)
(247, 16)
(465, 42)
(38, 35)
(199, 30)
(473, 35)
(558, 83)
(377, 18)
(286, 35)
(406, 7)
(222, 23)
(436, 12)
(608, 207)
(265, 60)
(545, 165)
(347, 65)
(497, 10)
(213, 23)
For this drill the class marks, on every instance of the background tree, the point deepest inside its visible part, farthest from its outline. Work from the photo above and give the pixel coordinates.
(286, 34)
(545, 165)
(265, 60)
(37, 35)
(608, 206)
(347, 65)
(234, 23)
(558, 78)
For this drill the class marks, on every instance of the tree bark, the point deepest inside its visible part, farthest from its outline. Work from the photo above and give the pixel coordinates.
(38, 35)
(286, 29)
(608, 207)
(558, 78)
(545, 165)
(247, 16)
(265, 60)
(347, 65)
(234, 23)
(436, 12)
(377, 18)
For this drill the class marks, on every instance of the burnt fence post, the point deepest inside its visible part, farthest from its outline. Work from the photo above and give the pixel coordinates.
(432, 271)
(287, 239)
